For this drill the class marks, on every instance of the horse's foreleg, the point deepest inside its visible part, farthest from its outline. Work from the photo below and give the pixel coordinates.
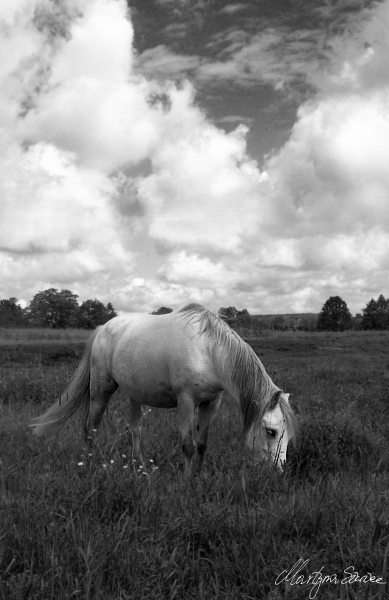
(101, 389)
(135, 430)
(206, 413)
(186, 411)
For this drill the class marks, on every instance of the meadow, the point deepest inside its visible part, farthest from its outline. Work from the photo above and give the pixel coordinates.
(95, 526)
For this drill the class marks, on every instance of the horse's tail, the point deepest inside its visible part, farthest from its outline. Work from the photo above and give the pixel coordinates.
(76, 396)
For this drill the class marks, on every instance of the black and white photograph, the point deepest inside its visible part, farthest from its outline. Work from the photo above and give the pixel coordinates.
(194, 299)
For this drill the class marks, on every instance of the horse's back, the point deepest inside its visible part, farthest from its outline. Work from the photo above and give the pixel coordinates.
(147, 333)
(153, 357)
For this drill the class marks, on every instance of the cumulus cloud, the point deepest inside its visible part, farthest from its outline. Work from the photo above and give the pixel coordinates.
(151, 293)
(81, 121)
(203, 191)
(95, 157)
(332, 172)
(196, 271)
(88, 104)
(330, 183)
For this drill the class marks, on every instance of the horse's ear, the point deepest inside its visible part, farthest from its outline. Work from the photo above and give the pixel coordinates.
(275, 399)
(287, 396)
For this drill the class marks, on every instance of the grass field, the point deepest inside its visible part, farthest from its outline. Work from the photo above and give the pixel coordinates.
(94, 527)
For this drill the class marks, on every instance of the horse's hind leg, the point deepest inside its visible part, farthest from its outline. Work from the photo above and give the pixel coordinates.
(206, 413)
(102, 386)
(135, 430)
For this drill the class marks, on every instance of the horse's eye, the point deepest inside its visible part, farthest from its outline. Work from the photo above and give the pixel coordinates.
(271, 432)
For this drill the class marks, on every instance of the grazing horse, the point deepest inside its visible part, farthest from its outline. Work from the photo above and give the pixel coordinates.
(184, 359)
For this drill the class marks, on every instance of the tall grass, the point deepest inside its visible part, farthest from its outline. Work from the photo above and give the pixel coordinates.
(75, 524)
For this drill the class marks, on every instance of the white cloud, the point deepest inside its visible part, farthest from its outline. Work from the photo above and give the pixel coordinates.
(48, 199)
(358, 61)
(196, 271)
(147, 295)
(276, 253)
(89, 104)
(203, 192)
(276, 57)
(94, 156)
(57, 223)
(161, 63)
(332, 172)
(231, 9)
(85, 114)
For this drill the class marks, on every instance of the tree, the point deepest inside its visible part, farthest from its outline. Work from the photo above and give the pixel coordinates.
(376, 314)
(369, 314)
(110, 311)
(11, 314)
(229, 315)
(93, 313)
(243, 318)
(382, 313)
(236, 319)
(334, 316)
(162, 311)
(53, 309)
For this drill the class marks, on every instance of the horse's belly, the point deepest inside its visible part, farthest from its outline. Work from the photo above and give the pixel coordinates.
(160, 396)
(161, 401)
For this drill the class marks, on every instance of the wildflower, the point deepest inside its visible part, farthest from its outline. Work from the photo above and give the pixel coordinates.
(80, 464)
(112, 461)
(104, 466)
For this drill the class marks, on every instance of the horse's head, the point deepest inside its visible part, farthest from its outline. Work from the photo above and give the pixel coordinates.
(270, 437)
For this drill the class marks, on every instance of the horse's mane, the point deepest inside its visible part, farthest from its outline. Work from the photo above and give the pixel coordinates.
(238, 363)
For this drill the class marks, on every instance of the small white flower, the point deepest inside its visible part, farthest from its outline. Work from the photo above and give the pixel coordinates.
(80, 464)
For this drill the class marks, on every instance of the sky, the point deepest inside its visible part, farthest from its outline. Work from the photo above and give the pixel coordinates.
(172, 151)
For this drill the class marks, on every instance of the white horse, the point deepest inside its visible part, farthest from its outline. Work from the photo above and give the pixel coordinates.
(184, 359)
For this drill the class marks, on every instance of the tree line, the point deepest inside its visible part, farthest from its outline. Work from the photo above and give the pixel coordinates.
(334, 316)
(55, 309)
(60, 309)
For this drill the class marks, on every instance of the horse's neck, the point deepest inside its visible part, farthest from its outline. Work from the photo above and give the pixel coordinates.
(246, 375)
